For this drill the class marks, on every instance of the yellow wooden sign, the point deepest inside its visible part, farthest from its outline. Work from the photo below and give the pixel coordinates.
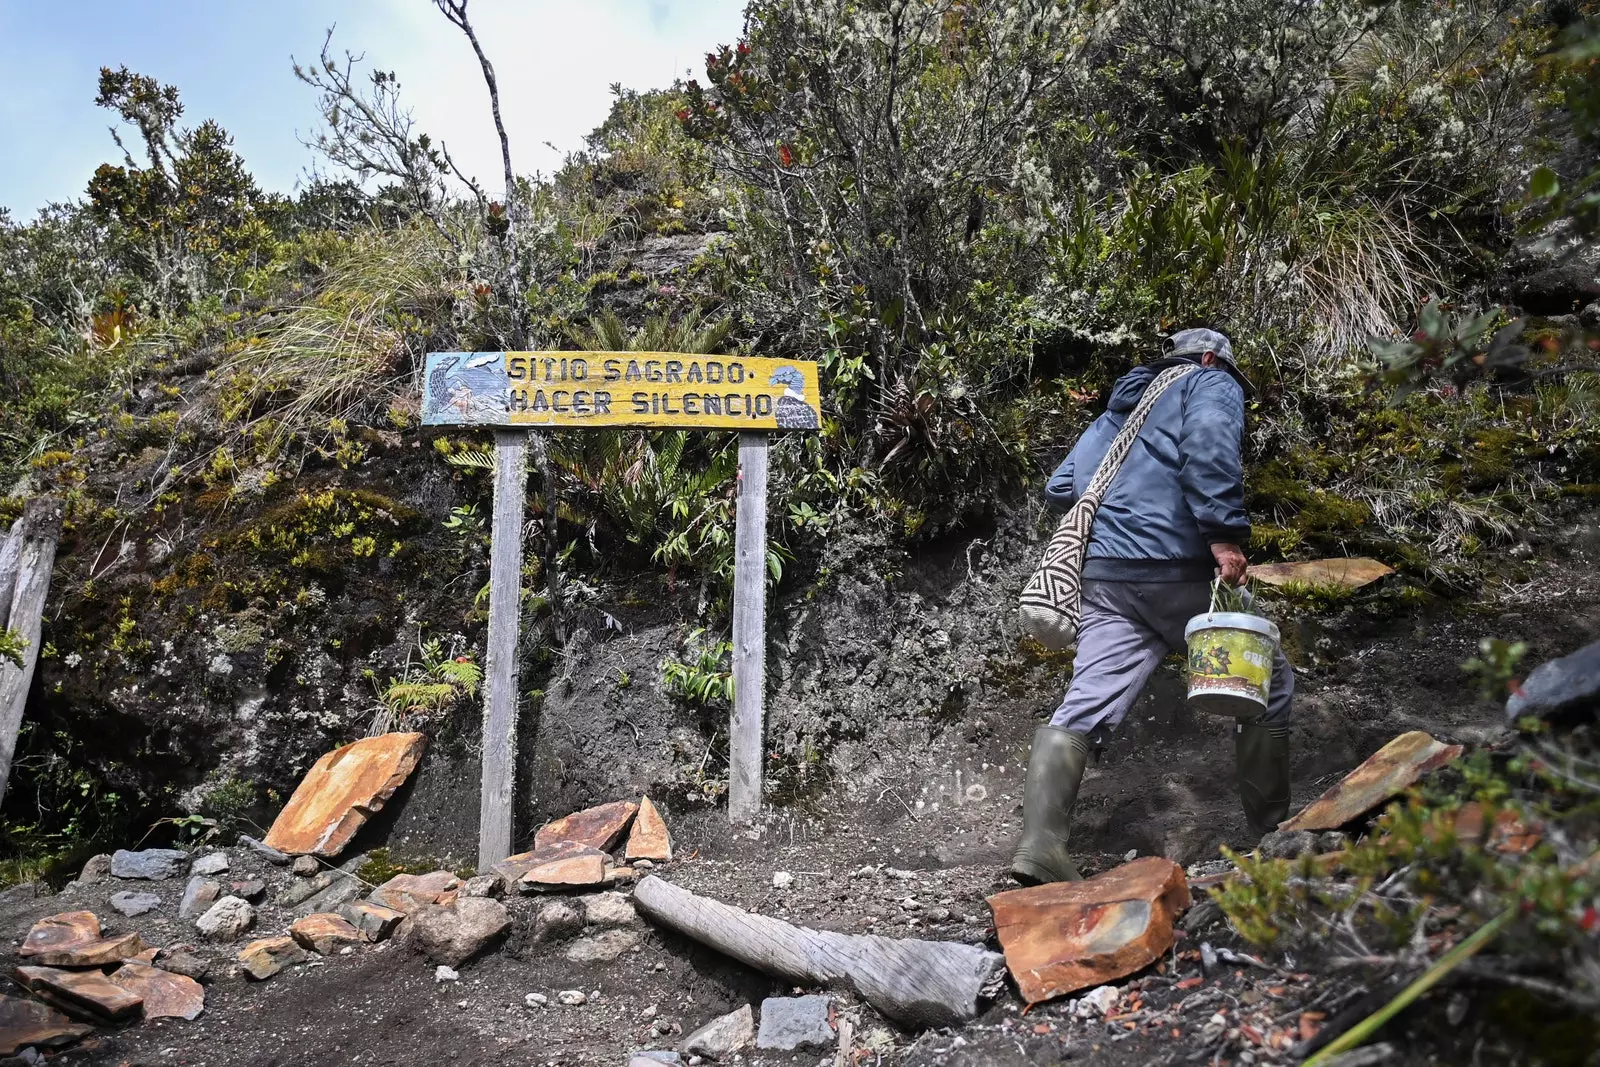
(577, 390)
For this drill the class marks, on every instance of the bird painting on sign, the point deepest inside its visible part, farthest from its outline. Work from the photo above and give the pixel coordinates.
(468, 387)
(794, 411)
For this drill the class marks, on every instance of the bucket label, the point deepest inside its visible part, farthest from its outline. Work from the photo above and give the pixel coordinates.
(1227, 660)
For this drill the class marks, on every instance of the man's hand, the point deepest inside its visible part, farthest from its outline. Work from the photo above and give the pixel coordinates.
(1231, 564)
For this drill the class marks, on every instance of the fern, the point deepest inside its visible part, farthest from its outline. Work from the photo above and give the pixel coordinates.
(471, 459)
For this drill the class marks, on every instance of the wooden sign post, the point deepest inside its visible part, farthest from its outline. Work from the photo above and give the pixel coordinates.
(521, 391)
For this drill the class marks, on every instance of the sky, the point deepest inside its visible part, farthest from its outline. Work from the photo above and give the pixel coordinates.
(555, 61)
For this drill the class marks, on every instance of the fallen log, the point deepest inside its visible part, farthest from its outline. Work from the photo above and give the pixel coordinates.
(918, 983)
(26, 560)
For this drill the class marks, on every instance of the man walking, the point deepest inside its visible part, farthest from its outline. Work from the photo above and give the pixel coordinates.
(1173, 518)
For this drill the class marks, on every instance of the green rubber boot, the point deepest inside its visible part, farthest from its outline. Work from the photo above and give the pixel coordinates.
(1055, 769)
(1262, 765)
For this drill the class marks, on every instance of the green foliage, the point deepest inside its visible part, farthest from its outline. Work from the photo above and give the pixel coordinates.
(702, 674)
(432, 682)
(12, 646)
(1495, 666)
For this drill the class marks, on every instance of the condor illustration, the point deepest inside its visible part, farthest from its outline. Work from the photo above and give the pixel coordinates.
(794, 411)
(467, 387)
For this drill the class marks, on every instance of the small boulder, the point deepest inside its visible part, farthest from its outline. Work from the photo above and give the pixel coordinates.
(442, 973)
(1064, 936)
(602, 947)
(166, 994)
(305, 866)
(790, 1023)
(213, 863)
(134, 904)
(375, 921)
(608, 909)
(407, 893)
(459, 932)
(252, 889)
(73, 939)
(1287, 844)
(484, 885)
(85, 994)
(198, 896)
(572, 998)
(152, 864)
(265, 851)
(1561, 687)
(265, 958)
(324, 933)
(649, 839)
(227, 919)
(557, 920)
(723, 1036)
(32, 1025)
(95, 869)
(600, 827)
(181, 959)
(1097, 1003)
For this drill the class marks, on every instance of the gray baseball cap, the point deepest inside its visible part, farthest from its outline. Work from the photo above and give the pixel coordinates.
(1195, 343)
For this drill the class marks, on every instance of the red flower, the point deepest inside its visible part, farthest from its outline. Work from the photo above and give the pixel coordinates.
(785, 156)
(683, 114)
(744, 48)
(463, 659)
(1590, 920)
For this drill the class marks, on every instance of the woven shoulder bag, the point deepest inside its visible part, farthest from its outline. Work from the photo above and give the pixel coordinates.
(1052, 601)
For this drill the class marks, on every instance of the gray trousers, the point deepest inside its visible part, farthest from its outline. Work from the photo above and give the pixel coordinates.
(1126, 629)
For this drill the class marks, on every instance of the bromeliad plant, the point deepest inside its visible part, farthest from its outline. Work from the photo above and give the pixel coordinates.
(430, 684)
(703, 675)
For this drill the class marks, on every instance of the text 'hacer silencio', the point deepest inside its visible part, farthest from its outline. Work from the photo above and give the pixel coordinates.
(664, 389)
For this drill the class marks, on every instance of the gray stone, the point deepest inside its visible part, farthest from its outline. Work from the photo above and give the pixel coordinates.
(459, 932)
(305, 866)
(198, 896)
(557, 921)
(1590, 316)
(227, 919)
(133, 904)
(1333, 841)
(252, 889)
(261, 848)
(603, 947)
(484, 885)
(152, 864)
(1562, 686)
(96, 869)
(789, 1023)
(215, 863)
(180, 959)
(572, 998)
(1287, 844)
(722, 1036)
(442, 973)
(608, 909)
(327, 891)
(651, 1057)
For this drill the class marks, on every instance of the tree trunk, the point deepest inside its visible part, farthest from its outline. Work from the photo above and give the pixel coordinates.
(26, 561)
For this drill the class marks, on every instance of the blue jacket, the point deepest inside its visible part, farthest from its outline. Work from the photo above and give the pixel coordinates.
(1181, 488)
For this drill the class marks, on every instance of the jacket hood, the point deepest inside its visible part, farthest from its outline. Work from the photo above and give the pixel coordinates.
(1131, 386)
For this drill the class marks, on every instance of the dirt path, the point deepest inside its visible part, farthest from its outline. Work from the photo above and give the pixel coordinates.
(913, 852)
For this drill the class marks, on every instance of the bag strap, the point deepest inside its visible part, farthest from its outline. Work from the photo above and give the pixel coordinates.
(1122, 444)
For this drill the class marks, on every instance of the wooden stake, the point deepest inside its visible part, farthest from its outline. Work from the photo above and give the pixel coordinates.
(749, 631)
(28, 557)
(500, 678)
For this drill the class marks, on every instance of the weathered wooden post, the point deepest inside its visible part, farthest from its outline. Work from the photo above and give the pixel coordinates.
(747, 727)
(501, 674)
(521, 391)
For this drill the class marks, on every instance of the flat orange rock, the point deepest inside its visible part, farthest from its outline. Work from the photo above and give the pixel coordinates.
(1509, 836)
(341, 791)
(165, 995)
(72, 939)
(513, 868)
(27, 1022)
(1065, 936)
(586, 868)
(598, 827)
(264, 958)
(324, 933)
(86, 994)
(407, 893)
(649, 839)
(1386, 773)
(1352, 573)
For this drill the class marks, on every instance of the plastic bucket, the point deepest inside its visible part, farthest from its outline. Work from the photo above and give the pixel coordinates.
(1230, 662)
